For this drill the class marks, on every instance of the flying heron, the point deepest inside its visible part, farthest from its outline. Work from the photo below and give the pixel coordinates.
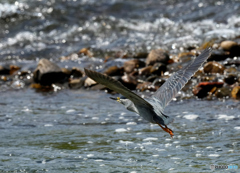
(151, 109)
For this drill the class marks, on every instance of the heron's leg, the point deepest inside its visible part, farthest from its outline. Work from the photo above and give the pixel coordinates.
(166, 129)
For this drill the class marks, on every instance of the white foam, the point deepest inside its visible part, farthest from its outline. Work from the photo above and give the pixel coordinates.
(190, 117)
(70, 111)
(226, 117)
(120, 130)
(237, 128)
(213, 155)
(150, 139)
(90, 155)
(147, 143)
(125, 142)
(98, 160)
(131, 123)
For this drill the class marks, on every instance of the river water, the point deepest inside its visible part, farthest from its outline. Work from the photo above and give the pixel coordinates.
(85, 131)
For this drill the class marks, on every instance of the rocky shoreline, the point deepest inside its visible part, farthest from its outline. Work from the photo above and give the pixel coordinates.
(144, 71)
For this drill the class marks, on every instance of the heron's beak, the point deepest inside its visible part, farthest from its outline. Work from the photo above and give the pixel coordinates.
(118, 98)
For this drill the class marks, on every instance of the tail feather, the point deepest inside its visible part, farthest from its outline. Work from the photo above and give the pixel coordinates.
(168, 120)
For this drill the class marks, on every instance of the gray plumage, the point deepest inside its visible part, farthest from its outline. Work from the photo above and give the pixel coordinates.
(151, 109)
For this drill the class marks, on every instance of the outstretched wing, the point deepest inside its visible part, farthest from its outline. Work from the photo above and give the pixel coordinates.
(177, 80)
(116, 86)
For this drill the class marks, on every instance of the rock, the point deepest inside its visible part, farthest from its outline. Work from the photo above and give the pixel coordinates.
(140, 55)
(86, 52)
(8, 70)
(152, 78)
(236, 92)
(131, 65)
(218, 55)
(231, 47)
(114, 71)
(202, 89)
(66, 71)
(89, 82)
(146, 86)
(129, 81)
(209, 78)
(76, 73)
(157, 55)
(99, 87)
(185, 56)
(213, 67)
(230, 79)
(230, 70)
(222, 92)
(48, 73)
(158, 82)
(76, 83)
(158, 69)
(145, 71)
(228, 45)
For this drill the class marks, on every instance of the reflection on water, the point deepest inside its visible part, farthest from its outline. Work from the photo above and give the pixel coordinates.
(87, 131)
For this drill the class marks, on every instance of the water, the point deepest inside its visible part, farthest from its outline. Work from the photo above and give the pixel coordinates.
(86, 131)
(30, 30)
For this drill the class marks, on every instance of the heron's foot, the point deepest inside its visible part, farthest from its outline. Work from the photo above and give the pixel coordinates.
(166, 129)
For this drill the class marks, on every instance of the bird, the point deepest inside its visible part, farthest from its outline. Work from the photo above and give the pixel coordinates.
(152, 108)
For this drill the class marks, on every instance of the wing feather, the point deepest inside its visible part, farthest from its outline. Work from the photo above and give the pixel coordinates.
(177, 80)
(116, 86)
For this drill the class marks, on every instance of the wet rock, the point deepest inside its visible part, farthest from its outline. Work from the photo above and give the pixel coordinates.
(131, 65)
(89, 82)
(8, 69)
(76, 73)
(218, 55)
(158, 82)
(157, 55)
(236, 92)
(140, 55)
(86, 52)
(158, 68)
(66, 71)
(185, 56)
(146, 86)
(48, 73)
(76, 83)
(134, 74)
(18, 84)
(213, 67)
(73, 57)
(202, 89)
(228, 45)
(230, 79)
(145, 71)
(232, 47)
(209, 78)
(3, 78)
(152, 78)
(230, 70)
(114, 71)
(222, 92)
(99, 87)
(129, 81)
(25, 76)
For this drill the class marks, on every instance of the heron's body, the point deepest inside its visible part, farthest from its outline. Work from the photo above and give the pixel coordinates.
(151, 109)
